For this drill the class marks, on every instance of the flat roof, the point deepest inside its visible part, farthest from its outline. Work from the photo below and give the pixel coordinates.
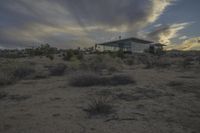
(127, 39)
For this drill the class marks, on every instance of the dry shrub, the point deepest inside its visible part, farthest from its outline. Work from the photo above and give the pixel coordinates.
(93, 79)
(57, 70)
(10, 72)
(120, 80)
(157, 63)
(22, 71)
(3, 95)
(186, 63)
(99, 106)
(98, 63)
(84, 79)
(129, 61)
(175, 83)
(6, 78)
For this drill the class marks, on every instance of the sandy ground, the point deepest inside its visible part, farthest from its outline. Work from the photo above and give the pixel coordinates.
(151, 106)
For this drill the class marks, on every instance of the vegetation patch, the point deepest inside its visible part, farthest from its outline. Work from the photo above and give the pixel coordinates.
(23, 71)
(57, 70)
(175, 83)
(92, 79)
(98, 63)
(3, 95)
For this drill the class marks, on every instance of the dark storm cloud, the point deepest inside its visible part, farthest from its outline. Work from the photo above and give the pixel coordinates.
(34, 21)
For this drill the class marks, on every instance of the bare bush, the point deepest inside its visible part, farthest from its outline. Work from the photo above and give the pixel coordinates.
(57, 70)
(98, 63)
(186, 63)
(92, 79)
(23, 71)
(175, 83)
(6, 78)
(3, 95)
(84, 79)
(10, 72)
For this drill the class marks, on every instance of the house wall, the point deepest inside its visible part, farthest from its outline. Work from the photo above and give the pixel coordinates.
(127, 46)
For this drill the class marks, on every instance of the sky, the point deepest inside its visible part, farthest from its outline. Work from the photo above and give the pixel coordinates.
(82, 23)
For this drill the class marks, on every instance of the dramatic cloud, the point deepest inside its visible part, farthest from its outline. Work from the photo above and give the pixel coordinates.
(183, 37)
(164, 34)
(59, 22)
(190, 44)
(122, 14)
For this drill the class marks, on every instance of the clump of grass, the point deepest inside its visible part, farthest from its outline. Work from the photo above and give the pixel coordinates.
(99, 106)
(57, 70)
(93, 79)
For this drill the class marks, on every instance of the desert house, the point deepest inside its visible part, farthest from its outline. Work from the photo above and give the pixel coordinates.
(130, 45)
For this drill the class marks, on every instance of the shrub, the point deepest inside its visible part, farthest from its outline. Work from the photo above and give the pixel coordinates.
(120, 80)
(129, 61)
(186, 63)
(98, 63)
(23, 71)
(6, 78)
(69, 54)
(51, 57)
(174, 83)
(57, 70)
(12, 71)
(3, 95)
(100, 106)
(154, 62)
(92, 79)
(84, 79)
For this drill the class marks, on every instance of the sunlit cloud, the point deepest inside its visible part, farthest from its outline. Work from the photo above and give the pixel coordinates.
(190, 44)
(165, 34)
(183, 37)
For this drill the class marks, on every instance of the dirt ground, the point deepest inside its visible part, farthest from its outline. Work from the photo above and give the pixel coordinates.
(161, 101)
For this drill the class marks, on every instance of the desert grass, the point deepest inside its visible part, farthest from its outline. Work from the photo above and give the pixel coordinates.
(99, 106)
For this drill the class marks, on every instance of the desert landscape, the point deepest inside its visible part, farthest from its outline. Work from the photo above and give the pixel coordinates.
(78, 92)
(99, 66)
